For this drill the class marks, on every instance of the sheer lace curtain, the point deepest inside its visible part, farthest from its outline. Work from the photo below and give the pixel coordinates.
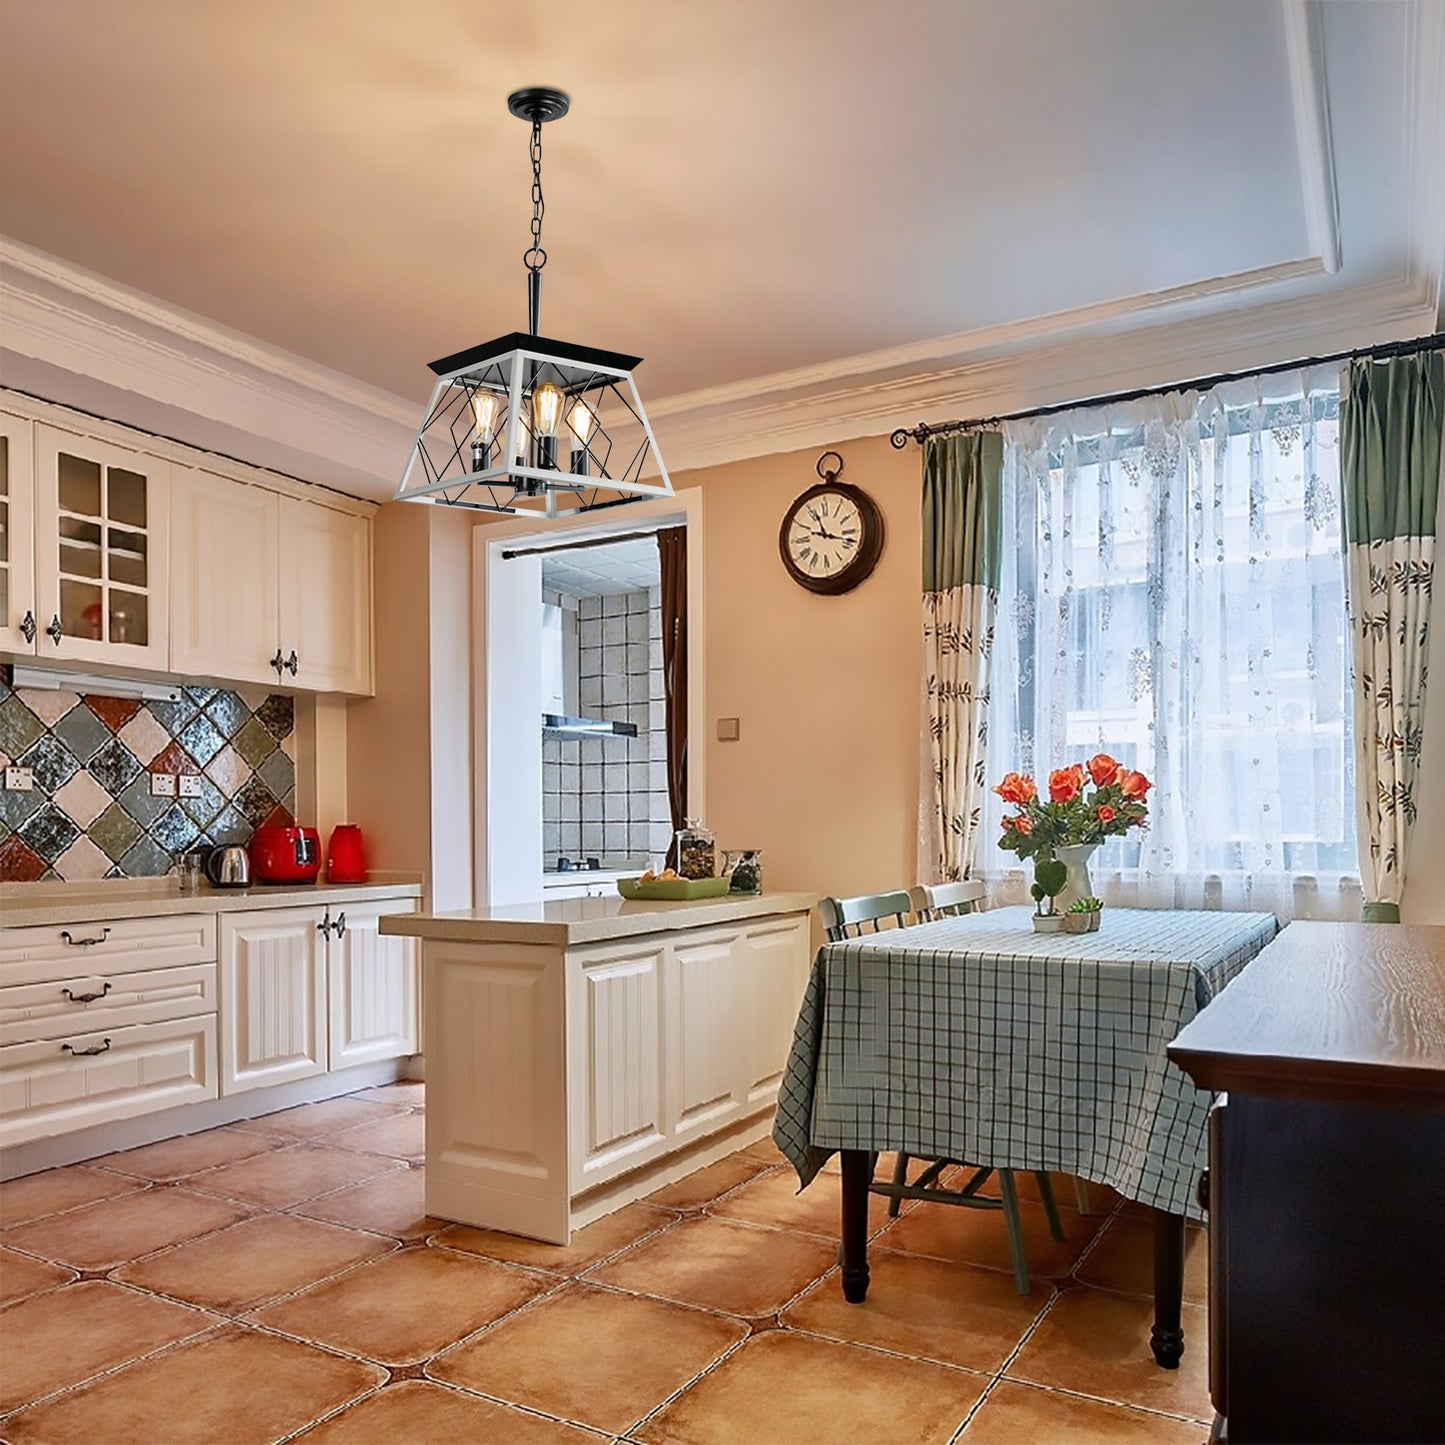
(1173, 594)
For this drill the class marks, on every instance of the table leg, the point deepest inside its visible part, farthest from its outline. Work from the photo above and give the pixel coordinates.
(1167, 1337)
(857, 1169)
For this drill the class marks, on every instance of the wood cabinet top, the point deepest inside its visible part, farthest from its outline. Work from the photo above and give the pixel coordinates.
(1341, 1011)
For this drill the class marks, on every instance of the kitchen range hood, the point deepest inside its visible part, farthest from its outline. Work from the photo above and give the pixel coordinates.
(586, 727)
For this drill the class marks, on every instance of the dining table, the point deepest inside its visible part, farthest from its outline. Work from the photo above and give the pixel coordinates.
(980, 1040)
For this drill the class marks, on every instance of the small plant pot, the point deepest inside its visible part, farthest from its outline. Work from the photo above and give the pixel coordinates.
(1080, 922)
(1094, 920)
(1048, 923)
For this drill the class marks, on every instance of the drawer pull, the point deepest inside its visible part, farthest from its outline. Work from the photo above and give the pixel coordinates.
(84, 942)
(340, 924)
(86, 997)
(85, 1053)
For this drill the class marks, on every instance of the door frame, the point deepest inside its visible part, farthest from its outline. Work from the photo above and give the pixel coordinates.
(489, 540)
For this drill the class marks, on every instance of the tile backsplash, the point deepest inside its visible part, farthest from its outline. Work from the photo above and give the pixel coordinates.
(91, 813)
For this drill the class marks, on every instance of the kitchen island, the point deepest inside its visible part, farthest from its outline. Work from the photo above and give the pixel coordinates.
(583, 1052)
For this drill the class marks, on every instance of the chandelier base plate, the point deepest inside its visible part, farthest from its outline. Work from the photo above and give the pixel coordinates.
(539, 104)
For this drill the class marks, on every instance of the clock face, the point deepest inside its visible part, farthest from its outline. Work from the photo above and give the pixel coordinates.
(831, 538)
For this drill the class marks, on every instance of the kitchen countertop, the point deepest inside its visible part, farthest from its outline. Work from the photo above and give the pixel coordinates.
(29, 904)
(567, 921)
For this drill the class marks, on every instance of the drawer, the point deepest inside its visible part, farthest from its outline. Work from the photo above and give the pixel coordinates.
(30, 1011)
(54, 953)
(46, 1090)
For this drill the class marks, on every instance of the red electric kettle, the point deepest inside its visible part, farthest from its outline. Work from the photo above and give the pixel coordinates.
(346, 855)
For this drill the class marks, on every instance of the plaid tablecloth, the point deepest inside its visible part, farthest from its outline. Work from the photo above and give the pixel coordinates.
(977, 1039)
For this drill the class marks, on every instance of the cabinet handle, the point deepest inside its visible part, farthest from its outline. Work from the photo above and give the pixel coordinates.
(84, 942)
(85, 1053)
(277, 663)
(324, 927)
(340, 924)
(54, 632)
(86, 997)
(27, 627)
(292, 663)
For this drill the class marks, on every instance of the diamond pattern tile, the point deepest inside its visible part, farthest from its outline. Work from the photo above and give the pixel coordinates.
(254, 743)
(114, 712)
(114, 766)
(19, 863)
(19, 727)
(82, 732)
(115, 830)
(49, 832)
(277, 715)
(175, 830)
(228, 714)
(255, 802)
(51, 761)
(201, 739)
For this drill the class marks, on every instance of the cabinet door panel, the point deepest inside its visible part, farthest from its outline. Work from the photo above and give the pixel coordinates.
(710, 1029)
(17, 535)
(224, 566)
(373, 989)
(773, 972)
(102, 554)
(273, 998)
(325, 596)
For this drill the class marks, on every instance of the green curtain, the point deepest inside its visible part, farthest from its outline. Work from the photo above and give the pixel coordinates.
(1392, 420)
(962, 545)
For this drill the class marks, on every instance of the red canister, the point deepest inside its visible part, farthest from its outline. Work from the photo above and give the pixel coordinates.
(346, 855)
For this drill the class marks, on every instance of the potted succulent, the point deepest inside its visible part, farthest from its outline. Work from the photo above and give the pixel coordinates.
(1083, 915)
(1049, 878)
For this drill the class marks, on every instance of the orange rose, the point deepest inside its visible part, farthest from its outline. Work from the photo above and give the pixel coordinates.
(1103, 769)
(1023, 823)
(1132, 784)
(1065, 784)
(1106, 814)
(1017, 788)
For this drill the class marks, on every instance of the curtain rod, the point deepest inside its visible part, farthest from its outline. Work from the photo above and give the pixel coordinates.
(606, 541)
(921, 433)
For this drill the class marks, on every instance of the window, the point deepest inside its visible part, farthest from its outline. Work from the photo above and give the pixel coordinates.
(1173, 594)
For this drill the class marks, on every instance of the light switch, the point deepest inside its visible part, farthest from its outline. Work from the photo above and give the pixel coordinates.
(729, 729)
(163, 785)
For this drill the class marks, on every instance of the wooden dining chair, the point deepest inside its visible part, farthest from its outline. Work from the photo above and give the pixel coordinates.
(932, 901)
(846, 918)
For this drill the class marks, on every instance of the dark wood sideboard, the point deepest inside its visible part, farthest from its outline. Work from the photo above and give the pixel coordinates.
(1326, 1186)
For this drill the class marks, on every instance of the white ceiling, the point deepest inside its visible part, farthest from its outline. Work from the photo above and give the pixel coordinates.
(603, 571)
(831, 190)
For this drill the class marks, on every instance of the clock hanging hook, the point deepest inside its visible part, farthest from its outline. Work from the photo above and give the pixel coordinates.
(829, 474)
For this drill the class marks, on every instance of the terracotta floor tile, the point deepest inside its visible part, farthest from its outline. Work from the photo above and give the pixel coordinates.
(393, 1203)
(253, 1261)
(409, 1092)
(234, 1387)
(174, 1158)
(593, 1242)
(406, 1307)
(765, 1152)
(311, 1121)
(1097, 1343)
(1014, 1413)
(774, 1199)
(417, 1412)
(284, 1177)
(21, 1276)
(403, 1136)
(781, 1386)
(702, 1186)
(980, 1236)
(952, 1313)
(36, 1195)
(116, 1231)
(638, 1352)
(1124, 1259)
(57, 1339)
(721, 1265)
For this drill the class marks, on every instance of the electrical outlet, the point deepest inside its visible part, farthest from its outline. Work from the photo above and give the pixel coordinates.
(163, 785)
(190, 785)
(19, 780)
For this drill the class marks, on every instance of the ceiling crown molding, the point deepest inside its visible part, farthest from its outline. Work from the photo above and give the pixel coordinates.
(1304, 38)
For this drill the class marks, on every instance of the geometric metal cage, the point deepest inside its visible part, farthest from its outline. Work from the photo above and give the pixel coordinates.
(524, 425)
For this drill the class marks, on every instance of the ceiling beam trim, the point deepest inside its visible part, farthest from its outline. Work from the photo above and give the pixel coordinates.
(1304, 38)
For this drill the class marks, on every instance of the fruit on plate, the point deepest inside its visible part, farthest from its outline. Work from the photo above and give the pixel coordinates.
(651, 877)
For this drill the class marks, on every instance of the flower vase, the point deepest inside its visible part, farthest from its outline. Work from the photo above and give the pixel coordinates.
(1075, 857)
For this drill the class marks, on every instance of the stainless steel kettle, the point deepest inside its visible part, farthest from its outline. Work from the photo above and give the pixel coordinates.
(229, 867)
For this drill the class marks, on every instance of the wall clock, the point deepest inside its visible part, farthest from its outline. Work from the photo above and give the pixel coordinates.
(832, 535)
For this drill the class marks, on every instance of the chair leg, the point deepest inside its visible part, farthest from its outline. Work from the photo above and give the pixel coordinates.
(900, 1176)
(1015, 1229)
(1046, 1193)
(1081, 1195)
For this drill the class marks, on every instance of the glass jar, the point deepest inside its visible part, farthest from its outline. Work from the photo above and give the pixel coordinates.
(696, 853)
(743, 868)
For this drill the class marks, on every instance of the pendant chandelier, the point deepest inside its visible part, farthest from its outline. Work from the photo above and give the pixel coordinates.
(528, 426)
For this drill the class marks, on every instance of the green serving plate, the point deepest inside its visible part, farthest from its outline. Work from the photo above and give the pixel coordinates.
(674, 888)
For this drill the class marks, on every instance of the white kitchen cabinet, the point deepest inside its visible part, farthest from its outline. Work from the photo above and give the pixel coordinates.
(102, 514)
(325, 597)
(372, 986)
(18, 625)
(225, 570)
(273, 997)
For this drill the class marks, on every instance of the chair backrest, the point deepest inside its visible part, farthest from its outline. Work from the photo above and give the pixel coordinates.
(842, 914)
(946, 900)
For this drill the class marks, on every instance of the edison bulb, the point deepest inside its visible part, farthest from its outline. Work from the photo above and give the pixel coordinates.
(581, 420)
(546, 409)
(485, 406)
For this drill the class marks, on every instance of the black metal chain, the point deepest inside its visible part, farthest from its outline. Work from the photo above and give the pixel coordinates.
(534, 258)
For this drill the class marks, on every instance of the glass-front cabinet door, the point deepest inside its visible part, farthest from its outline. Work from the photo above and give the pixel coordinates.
(101, 551)
(18, 625)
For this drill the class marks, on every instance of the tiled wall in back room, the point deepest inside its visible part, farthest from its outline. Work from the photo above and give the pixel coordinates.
(91, 813)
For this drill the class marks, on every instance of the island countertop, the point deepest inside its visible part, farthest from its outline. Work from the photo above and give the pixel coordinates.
(566, 921)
